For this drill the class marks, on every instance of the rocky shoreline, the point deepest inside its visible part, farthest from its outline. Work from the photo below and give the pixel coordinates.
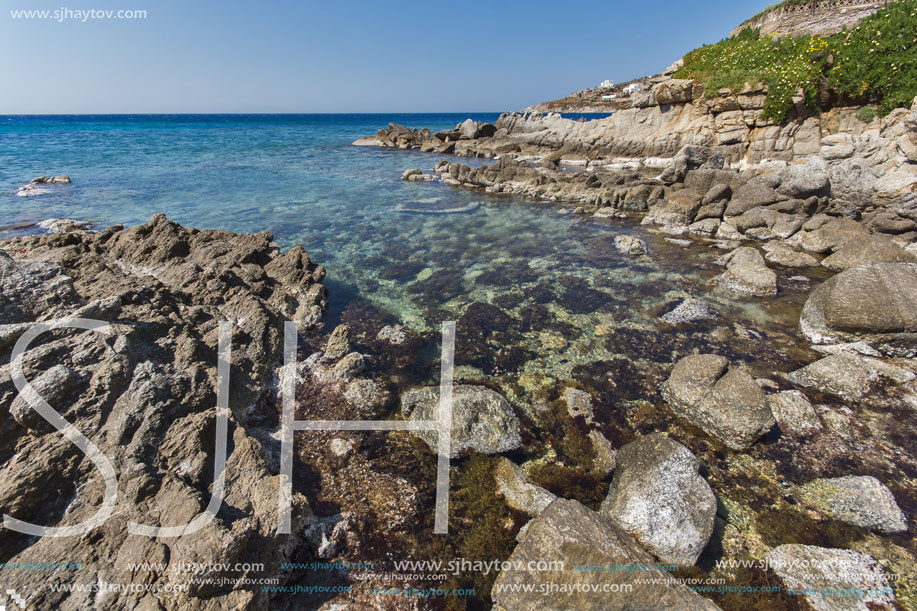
(827, 192)
(705, 455)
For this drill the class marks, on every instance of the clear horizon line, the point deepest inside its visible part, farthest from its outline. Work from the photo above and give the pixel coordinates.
(236, 113)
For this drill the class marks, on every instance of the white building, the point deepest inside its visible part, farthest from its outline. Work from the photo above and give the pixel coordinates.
(632, 88)
(607, 84)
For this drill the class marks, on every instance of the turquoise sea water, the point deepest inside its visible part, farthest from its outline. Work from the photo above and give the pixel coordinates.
(555, 274)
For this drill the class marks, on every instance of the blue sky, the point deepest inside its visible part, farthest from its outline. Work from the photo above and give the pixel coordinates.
(341, 56)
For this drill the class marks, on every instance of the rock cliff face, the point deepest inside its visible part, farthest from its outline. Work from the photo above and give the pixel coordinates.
(819, 18)
(143, 390)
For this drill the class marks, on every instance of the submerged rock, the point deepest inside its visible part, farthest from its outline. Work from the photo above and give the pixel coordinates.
(482, 420)
(436, 207)
(579, 403)
(40, 185)
(858, 500)
(845, 375)
(793, 412)
(870, 303)
(816, 572)
(605, 455)
(688, 311)
(519, 492)
(727, 405)
(659, 498)
(567, 532)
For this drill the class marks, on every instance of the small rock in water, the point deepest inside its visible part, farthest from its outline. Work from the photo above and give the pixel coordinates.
(679, 242)
(688, 311)
(747, 275)
(579, 403)
(338, 344)
(63, 225)
(341, 447)
(817, 570)
(630, 245)
(858, 500)
(519, 492)
(39, 185)
(393, 334)
(605, 455)
(845, 375)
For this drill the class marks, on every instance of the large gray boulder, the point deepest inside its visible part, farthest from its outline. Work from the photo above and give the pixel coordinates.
(482, 420)
(871, 303)
(746, 274)
(659, 498)
(859, 500)
(755, 193)
(812, 570)
(729, 405)
(867, 250)
(570, 535)
(805, 179)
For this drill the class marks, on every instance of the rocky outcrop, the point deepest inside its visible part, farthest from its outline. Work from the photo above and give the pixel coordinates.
(769, 179)
(482, 420)
(858, 500)
(870, 303)
(569, 533)
(42, 185)
(143, 390)
(814, 571)
(658, 497)
(728, 405)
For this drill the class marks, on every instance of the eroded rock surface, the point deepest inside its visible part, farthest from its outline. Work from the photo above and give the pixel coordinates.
(143, 390)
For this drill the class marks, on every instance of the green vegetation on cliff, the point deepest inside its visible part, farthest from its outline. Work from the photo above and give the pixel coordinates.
(876, 62)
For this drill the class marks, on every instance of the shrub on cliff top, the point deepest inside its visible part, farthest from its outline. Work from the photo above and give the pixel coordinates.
(876, 61)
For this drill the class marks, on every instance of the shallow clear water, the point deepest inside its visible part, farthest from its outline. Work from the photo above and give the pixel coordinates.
(299, 177)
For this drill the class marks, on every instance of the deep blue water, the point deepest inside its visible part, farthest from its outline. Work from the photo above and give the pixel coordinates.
(299, 177)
